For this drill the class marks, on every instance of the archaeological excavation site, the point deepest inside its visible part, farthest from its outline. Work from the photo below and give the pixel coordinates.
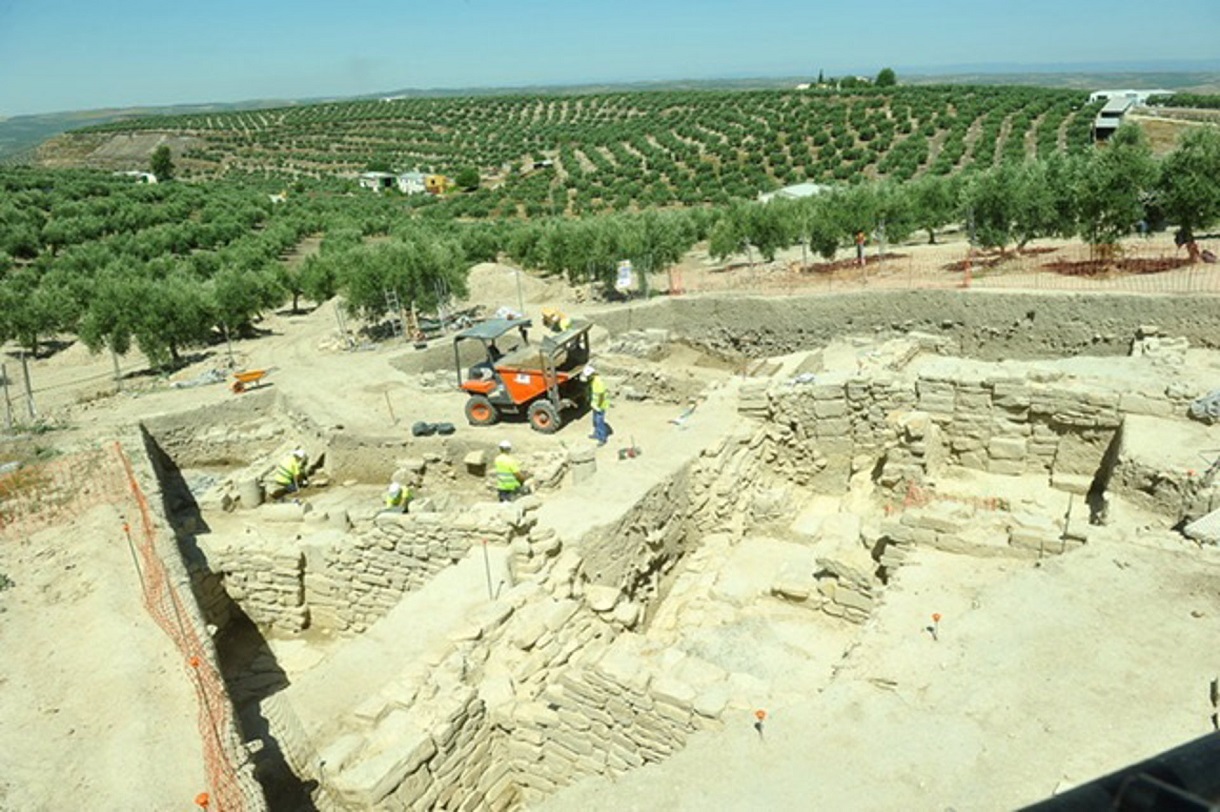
(919, 549)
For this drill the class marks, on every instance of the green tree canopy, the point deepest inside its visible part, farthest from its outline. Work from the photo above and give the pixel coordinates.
(1113, 185)
(1188, 186)
(886, 78)
(161, 163)
(467, 178)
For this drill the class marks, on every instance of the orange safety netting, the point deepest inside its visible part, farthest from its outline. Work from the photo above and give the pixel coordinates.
(42, 495)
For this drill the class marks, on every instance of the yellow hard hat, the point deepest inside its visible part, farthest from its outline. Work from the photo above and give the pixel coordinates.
(549, 312)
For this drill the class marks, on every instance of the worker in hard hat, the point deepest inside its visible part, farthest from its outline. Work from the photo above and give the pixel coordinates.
(509, 478)
(397, 497)
(290, 475)
(555, 320)
(599, 401)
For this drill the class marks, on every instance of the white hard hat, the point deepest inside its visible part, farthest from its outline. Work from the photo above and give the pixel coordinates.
(588, 371)
(505, 445)
(395, 488)
(299, 453)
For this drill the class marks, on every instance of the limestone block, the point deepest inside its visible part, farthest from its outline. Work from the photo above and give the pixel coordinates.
(475, 462)
(793, 583)
(669, 689)
(972, 402)
(827, 391)
(834, 427)
(1007, 448)
(829, 408)
(626, 613)
(844, 572)
(406, 748)
(584, 453)
(1071, 483)
(338, 754)
(853, 599)
(621, 665)
(601, 598)
(943, 517)
(1006, 467)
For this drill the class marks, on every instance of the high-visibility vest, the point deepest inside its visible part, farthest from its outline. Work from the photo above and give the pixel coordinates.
(287, 472)
(601, 399)
(507, 469)
(565, 323)
(396, 500)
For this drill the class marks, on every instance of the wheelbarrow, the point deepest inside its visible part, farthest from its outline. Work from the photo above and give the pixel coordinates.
(249, 379)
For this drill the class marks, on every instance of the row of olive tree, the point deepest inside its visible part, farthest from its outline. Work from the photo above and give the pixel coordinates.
(1099, 197)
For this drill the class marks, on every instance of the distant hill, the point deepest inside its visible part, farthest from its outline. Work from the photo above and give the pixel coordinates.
(19, 135)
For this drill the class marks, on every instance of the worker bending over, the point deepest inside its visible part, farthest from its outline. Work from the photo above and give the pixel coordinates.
(555, 320)
(599, 401)
(289, 476)
(509, 479)
(397, 497)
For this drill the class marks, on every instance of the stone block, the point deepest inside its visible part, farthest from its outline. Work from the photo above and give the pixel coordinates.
(476, 462)
(1007, 448)
(1071, 483)
(676, 692)
(824, 409)
(1006, 467)
(853, 599)
(369, 780)
(601, 598)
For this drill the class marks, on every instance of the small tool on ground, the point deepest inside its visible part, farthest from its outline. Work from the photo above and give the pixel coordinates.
(630, 452)
(934, 629)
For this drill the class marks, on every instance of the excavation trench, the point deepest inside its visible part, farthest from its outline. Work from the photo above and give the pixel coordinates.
(471, 654)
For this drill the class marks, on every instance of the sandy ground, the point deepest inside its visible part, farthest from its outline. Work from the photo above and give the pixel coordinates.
(98, 711)
(98, 708)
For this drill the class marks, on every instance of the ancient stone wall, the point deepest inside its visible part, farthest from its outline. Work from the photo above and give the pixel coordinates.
(903, 427)
(989, 325)
(232, 433)
(333, 577)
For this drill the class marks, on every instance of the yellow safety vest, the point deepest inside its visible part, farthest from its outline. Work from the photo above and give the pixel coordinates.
(507, 469)
(396, 500)
(287, 472)
(601, 399)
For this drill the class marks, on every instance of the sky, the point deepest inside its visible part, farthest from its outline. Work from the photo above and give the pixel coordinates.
(60, 55)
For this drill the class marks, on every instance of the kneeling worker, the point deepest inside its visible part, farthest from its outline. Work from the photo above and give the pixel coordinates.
(555, 320)
(509, 479)
(398, 497)
(289, 476)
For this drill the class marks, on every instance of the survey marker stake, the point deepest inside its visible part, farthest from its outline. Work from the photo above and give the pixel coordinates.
(491, 595)
(760, 716)
(934, 629)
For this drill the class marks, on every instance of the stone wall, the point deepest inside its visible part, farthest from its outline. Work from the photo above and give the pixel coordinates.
(377, 459)
(233, 433)
(820, 433)
(989, 325)
(330, 577)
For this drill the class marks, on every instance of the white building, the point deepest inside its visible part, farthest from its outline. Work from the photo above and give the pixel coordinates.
(412, 183)
(793, 192)
(1137, 97)
(377, 180)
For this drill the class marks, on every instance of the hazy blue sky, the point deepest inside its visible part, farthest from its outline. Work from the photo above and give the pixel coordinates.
(80, 54)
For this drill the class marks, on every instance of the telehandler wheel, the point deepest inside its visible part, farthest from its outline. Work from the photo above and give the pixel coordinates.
(480, 412)
(544, 417)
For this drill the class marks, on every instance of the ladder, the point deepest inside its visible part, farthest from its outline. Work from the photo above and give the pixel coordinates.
(394, 307)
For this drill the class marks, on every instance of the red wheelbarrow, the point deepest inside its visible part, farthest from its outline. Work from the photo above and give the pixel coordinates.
(249, 379)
